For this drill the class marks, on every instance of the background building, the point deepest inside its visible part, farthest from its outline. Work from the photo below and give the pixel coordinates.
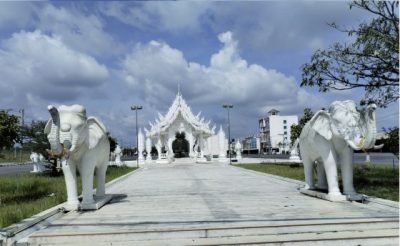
(251, 145)
(275, 132)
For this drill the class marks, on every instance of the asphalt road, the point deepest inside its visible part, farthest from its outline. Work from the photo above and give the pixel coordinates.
(359, 158)
(15, 169)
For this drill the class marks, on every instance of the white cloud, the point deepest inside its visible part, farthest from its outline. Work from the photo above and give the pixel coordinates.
(16, 14)
(79, 30)
(35, 65)
(155, 68)
(160, 15)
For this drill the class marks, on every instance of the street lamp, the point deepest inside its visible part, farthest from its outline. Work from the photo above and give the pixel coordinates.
(227, 107)
(136, 108)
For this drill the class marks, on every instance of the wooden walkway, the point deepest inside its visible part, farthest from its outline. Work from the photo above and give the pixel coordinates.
(214, 204)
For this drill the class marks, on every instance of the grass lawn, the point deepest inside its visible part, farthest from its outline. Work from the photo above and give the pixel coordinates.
(24, 195)
(373, 180)
(18, 156)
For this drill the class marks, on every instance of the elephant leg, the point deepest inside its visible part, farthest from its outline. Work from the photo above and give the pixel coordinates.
(308, 173)
(346, 162)
(69, 170)
(101, 180)
(322, 182)
(87, 173)
(332, 178)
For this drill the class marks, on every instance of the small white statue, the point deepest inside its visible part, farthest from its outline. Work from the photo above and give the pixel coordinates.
(294, 152)
(35, 160)
(80, 142)
(238, 150)
(118, 154)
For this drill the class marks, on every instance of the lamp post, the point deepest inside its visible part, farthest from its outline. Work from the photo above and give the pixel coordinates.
(227, 107)
(136, 108)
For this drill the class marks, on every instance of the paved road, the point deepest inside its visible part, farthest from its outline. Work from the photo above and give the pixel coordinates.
(376, 158)
(15, 169)
(214, 204)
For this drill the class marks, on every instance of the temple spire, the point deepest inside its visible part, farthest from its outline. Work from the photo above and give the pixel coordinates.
(179, 88)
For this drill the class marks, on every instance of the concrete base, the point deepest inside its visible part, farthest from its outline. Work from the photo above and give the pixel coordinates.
(356, 197)
(323, 195)
(223, 160)
(202, 160)
(294, 158)
(99, 202)
(162, 161)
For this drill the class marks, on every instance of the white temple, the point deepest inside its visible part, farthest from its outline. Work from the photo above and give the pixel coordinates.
(179, 133)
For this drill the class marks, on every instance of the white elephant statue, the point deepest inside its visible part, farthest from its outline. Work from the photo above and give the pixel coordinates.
(80, 142)
(329, 139)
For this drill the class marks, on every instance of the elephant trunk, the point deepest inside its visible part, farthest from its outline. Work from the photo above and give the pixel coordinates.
(370, 132)
(54, 135)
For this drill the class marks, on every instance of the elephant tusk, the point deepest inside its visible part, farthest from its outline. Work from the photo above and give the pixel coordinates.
(378, 146)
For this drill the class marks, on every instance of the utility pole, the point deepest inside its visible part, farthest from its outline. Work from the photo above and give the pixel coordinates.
(136, 108)
(227, 107)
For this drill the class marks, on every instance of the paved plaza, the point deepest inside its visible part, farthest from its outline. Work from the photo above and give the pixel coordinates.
(213, 204)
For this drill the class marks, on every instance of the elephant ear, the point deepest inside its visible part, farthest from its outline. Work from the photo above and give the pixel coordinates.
(96, 131)
(321, 123)
(47, 128)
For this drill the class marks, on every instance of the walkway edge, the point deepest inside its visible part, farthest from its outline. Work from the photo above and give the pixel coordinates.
(22, 229)
(375, 202)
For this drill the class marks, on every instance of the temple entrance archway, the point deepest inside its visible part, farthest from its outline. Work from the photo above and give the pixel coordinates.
(180, 146)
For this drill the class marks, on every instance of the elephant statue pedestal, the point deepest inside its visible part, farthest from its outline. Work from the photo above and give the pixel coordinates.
(336, 198)
(98, 203)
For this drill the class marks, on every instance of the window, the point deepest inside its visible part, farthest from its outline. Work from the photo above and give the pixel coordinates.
(284, 127)
(284, 121)
(284, 133)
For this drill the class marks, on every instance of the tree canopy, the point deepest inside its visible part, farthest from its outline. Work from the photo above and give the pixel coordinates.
(295, 130)
(8, 129)
(35, 138)
(391, 143)
(370, 61)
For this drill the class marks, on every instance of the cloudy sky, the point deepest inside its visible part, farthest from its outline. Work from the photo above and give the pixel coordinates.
(108, 56)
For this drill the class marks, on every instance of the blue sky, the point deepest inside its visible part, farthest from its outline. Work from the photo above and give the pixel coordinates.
(110, 55)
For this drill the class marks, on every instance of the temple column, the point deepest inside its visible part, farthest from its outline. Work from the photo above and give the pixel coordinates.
(169, 142)
(191, 142)
(201, 144)
(158, 147)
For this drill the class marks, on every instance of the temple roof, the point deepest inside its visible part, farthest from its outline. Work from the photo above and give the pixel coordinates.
(180, 107)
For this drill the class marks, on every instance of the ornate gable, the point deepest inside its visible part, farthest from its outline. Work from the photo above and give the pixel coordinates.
(179, 108)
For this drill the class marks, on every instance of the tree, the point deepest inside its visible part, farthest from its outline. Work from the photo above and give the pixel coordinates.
(8, 129)
(370, 62)
(113, 142)
(35, 138)
(391, 143)
(295, 130)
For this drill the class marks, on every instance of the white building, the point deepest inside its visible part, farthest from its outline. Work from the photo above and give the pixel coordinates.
(275, 131)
